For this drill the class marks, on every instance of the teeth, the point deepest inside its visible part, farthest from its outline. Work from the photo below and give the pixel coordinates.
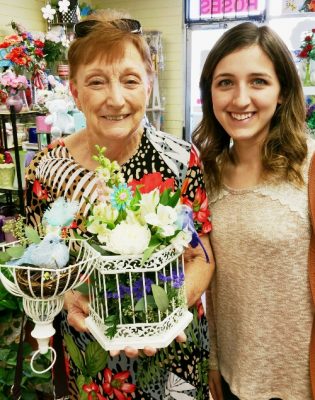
(241, 117)
(115, 117)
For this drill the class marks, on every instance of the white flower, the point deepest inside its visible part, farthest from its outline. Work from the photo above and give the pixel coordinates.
(128, 239)
(181, 240)
(149, 202)
(99, 229)
(105, 213)
(165, 218)
(48, 12)
(63, 6)
(133, 217)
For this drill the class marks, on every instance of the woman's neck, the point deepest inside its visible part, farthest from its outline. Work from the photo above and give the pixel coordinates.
(246, 170)
(81, 146)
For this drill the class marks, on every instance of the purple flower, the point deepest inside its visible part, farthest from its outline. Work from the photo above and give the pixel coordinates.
(177, 280)
(123, 291)
(138, 287)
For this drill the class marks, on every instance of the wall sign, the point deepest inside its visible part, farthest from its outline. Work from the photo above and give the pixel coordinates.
(203, 10)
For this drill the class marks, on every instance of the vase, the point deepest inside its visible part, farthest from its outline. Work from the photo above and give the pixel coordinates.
(15, 100)
(307, 78)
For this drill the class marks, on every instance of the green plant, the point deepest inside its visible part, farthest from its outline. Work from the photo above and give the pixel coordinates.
(10, 324)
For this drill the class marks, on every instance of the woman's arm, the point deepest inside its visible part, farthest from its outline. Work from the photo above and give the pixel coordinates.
(198, 272)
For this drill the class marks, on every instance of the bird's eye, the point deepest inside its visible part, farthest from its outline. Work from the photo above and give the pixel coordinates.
(51, 241)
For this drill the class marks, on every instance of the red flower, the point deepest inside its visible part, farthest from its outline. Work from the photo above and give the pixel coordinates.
(41, 193)
(201, 212)
(39, 43)
(116, 385)
(92, 388)
(150, 182)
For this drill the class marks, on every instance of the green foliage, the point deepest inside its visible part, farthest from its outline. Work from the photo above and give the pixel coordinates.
(160, 297)
(10, 320)
(93, 361)
(54, 51)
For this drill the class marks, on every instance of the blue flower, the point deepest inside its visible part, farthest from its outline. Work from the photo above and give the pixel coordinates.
(121, 196)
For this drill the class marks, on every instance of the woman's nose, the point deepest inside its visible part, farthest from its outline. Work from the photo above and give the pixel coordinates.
(114, 96)
(241, 96)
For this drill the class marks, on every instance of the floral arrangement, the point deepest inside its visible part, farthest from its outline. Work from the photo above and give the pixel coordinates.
(138, 222)
(307, 48)
(12, 83)
(56, 44)
(310, 112)
(135, 218)
(24, 52)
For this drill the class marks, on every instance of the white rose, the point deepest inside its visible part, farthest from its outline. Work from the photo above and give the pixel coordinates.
(128, 239)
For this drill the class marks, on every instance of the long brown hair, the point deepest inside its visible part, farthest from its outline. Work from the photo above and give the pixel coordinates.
(284, 148)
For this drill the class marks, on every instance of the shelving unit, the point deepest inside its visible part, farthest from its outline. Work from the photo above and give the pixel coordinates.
(12, 116)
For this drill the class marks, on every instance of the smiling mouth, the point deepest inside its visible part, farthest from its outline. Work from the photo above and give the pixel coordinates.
(115, 117)
(241, 117)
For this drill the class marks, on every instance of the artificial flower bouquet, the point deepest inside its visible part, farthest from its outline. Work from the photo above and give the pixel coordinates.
(140, 230)
(23, 51)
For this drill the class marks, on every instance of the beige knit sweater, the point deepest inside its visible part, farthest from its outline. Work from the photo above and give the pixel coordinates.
(260, 330)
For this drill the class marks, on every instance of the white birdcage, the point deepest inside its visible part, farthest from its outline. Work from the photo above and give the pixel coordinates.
(127, 300)
(43, 289)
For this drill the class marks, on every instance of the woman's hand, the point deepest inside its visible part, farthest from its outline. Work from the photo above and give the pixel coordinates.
(215, 385)
(77, 306)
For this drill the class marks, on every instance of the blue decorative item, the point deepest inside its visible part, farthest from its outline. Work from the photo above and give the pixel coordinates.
(185, 220)
(60, 214)
(51, 252)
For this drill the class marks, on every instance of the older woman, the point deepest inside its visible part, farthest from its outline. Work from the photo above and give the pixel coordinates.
(110, 80)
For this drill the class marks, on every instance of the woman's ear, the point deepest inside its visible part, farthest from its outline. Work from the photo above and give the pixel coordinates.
(74, 92)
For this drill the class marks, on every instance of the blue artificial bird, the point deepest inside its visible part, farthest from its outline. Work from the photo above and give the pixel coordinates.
(51, 252)
(185, 220)
(61, 213)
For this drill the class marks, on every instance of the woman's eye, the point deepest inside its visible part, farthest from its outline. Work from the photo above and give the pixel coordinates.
(131, 81)
(95, 82)
(259, 82)
(225, 83)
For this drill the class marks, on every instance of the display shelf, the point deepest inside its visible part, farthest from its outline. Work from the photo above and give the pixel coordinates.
(12, 116)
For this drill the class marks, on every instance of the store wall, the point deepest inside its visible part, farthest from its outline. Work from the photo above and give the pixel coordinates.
(165, 16)
(28, 13)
